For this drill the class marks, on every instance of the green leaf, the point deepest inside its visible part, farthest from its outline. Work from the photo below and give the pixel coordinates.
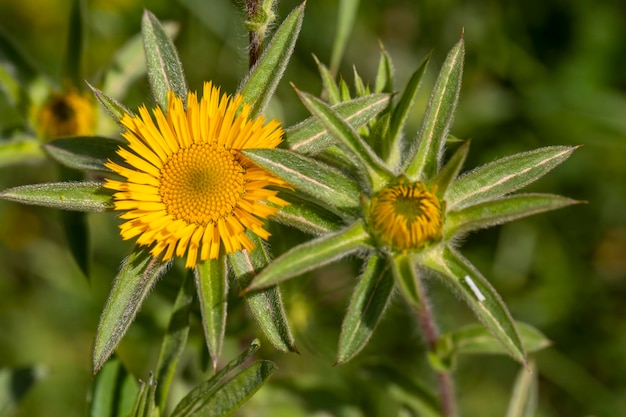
(482, 298)
(307, 217)
(504, 176)
(369, 300)
(14, 384)
(359, 86)
(525, 393)
(174, 340)
(208, 388)
(88, 153)
(113, 391)
(311, 137)
(405, 274)
(450, 170)
(422, 162)
(476, 339)
(377, 174)
(115, 109)
(313, 254)
(79, 196)
(392, 145)
(328, 83)
(500, 211)
(138, 274)
(346, 16)
(234, 393)
(165, 71)
(129, 65)
(384, 74)
(18, 151)
(212, 285)
(260, 84)
(328, 185)
(144, 402)
(73, 66)
(266, 305)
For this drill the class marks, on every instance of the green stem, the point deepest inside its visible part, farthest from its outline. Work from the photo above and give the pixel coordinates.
(410, 284)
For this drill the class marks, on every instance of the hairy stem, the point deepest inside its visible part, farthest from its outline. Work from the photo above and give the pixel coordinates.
(431, 334)
(254, 49)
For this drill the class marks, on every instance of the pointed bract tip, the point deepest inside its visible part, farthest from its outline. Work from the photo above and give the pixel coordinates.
(463, 33)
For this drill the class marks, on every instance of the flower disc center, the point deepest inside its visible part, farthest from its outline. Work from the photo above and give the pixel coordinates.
(202, 183)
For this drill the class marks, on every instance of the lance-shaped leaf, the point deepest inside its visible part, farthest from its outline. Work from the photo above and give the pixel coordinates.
(450, 170)
(406, 276)
(328, 83)
(174, 340)
(524, 397)
(504, 176)
(79, 196)
(482, 298)
(313, 254)
(267, 305)
(384, 74)
(307, 217)
(231, 396)
(500, 211)
(392, 144)
(165, 71)
(425, 153)
(190, 402)
(311, 137)
(88, 153)
(113, 391)
(329, 185)
(138, 274)
(212, 285)
(346, 16)
(377, 174)
(115, 109)
(260, 84)
(369, 300)
(477, 339)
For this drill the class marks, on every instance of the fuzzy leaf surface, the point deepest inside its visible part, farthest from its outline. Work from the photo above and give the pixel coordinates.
(267, 305)
(307, 217)
(501, 211)
(115, 109)
(504, 176)
(384, 73)
(331, 186)
(212, 286)
(138, 274)
(369, 300)
(392, 150)
(377, 174)
(231, 396)
(311, 137)
(88, 153)
(313, 254)
(77, 195)
(450, 170)
(260, 84)
(425, 154)
(191, 401)
(466, 281)
(165, 71)
(328, 82)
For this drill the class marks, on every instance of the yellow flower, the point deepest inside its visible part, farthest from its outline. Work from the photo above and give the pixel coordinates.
(406, 216)
(187, 188)
(66, 114)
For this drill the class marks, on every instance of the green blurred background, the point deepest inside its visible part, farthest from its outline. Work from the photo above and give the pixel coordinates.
(536, 74)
